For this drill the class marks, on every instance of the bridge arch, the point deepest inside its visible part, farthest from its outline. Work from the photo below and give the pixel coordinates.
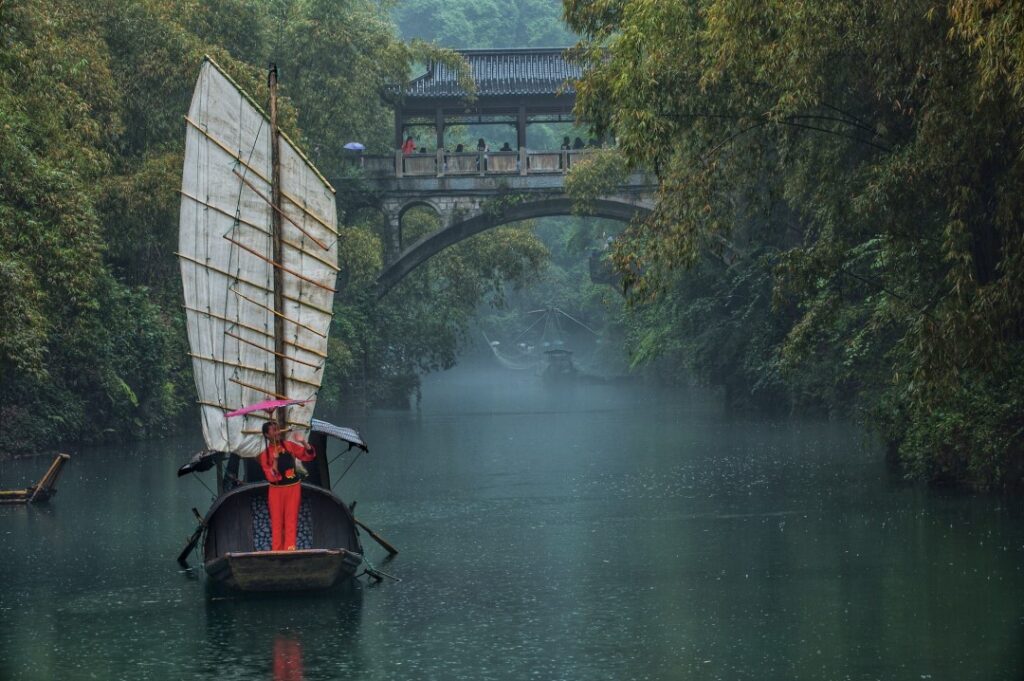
(418, 253)
(422, 204)
(419, 203)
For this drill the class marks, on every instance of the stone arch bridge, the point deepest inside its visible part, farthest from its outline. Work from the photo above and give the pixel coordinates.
(492, 183)
(469, 206)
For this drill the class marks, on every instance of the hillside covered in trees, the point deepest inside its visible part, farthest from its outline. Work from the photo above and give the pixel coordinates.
(91, 136)
(840, 224)
(839, 229)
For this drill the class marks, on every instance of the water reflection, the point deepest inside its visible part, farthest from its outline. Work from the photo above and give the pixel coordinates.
(285, 636)
(287, 658)
(585, 533)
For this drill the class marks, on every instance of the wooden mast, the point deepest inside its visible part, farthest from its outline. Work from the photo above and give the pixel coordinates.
(275, 216)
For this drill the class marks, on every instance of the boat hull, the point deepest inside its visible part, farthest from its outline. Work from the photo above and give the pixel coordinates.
(300, 570)
(236, 548)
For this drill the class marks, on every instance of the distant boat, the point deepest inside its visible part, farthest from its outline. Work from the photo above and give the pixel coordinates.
(559, 365)
(555, 362)
(258, 254)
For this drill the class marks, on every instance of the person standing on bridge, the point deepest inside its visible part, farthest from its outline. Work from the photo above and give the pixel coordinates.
(481, 148)
(409, 148)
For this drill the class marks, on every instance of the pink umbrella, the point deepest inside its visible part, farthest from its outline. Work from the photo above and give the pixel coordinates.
(265, 405)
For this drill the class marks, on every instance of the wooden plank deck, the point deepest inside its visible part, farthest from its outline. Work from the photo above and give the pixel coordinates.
(283, 570)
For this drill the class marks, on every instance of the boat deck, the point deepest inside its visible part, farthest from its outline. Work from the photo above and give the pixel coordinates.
(304, 569)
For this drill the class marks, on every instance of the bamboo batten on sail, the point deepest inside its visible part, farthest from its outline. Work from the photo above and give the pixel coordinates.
(236, 279)
(287, 270)
(265, 348)
(290, 244)
(276, 314)
(282, 213)
(225, 241)
(259, 332)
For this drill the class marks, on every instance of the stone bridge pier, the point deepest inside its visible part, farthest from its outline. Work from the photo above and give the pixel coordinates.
(450, 210)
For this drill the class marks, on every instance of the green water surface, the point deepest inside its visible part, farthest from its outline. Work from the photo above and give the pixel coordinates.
(583, 531)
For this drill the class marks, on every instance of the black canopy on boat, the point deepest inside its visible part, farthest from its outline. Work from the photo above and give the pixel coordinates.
(349, 435)
(204, 460)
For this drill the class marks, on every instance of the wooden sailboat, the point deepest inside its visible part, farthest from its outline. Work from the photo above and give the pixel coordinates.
(258, 254)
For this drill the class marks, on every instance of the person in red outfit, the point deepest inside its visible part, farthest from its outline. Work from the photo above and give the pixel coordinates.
(284, 495)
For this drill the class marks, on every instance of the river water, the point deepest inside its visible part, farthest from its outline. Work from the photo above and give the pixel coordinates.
(571, 532)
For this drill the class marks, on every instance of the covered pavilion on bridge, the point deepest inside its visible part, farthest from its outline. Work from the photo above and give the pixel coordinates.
(514, 87)
(467, 189)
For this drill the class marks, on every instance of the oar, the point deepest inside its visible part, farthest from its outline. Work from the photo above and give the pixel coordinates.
(183, 556)
(392, 551)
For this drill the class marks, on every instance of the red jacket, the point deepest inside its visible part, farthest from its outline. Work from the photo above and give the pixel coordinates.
(269, 463)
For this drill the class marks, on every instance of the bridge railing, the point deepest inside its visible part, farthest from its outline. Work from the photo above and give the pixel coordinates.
(441, 163)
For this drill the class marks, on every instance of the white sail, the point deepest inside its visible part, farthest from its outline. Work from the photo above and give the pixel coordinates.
(226, 253)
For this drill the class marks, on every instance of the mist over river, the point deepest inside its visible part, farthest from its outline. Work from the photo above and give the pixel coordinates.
(578, 531)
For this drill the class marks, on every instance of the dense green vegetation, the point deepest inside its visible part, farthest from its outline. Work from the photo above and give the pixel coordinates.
(840, 223)
(91, 140)
(484, 23)
(839, 228)
(381, 347)
(593, 323)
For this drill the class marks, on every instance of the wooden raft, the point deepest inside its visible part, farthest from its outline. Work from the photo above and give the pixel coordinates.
(42, 490)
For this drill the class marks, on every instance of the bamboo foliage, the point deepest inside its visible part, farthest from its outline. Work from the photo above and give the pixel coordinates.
(866, 157)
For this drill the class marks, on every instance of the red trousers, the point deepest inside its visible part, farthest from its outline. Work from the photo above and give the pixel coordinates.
(283, 501)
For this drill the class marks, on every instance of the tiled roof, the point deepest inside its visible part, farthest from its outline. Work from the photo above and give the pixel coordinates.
(501, 73)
